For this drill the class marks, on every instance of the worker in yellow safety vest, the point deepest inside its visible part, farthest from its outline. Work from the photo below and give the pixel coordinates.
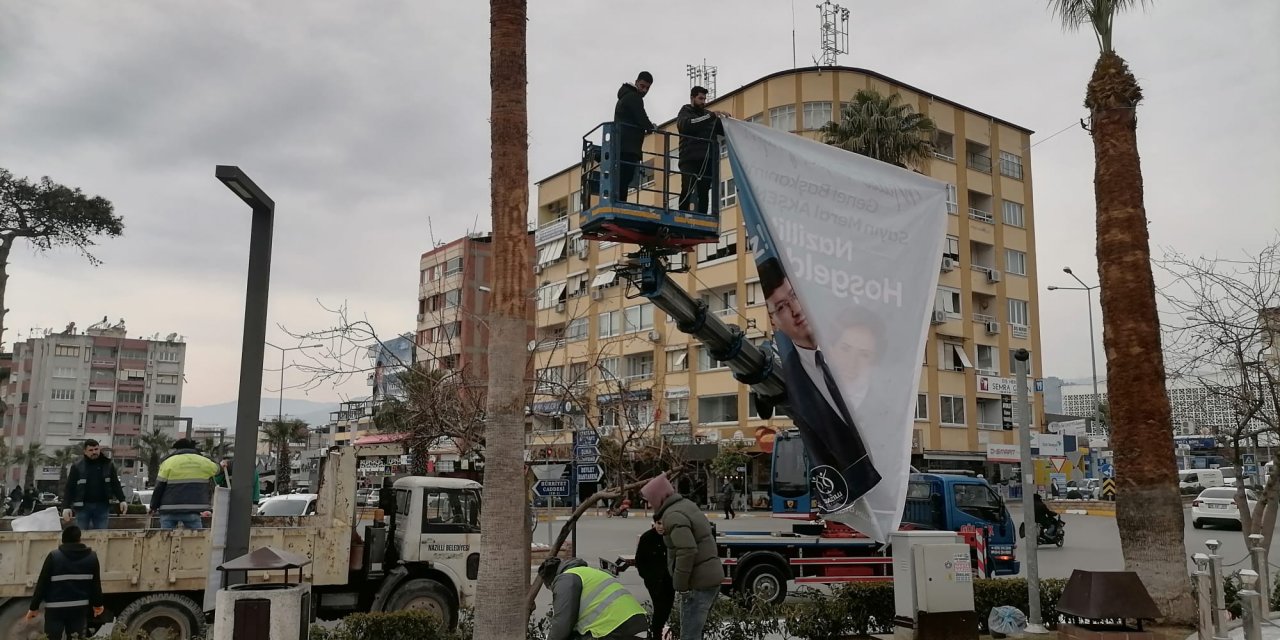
(590, 604)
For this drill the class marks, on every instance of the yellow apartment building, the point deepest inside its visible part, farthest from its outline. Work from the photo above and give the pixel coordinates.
(588, 330)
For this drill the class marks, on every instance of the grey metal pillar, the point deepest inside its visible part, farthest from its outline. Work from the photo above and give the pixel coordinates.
(1035, 619)
(1219, 598)
(1258, 555)
(1250, 605)
(1204, 598)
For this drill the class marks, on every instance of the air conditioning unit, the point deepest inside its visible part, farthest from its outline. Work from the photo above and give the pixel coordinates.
(948, 264)
(655, 336)
(560, 307)
(993, 276)
(939, 316)
(597, 294)
(537, 268)
(421, 317)
(993, 328)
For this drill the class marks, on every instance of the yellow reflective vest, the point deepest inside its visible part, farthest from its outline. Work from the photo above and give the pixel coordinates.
(605, 603)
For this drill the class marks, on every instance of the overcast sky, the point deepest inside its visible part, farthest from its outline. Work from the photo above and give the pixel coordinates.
(369, 127)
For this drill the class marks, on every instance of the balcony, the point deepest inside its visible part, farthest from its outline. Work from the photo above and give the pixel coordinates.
(137, 365)
(102, 383)
(103, 363)
(978, 156)
(97, 427)
(127, 429)
(129, 407)
(981, 216)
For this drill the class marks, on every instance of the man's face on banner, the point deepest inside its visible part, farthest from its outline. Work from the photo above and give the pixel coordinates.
(787, 316)
(857, 352)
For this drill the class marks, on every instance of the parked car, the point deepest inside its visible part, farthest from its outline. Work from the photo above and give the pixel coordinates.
(1218, 506)
(47, 499)
(362, 497)
(289, 504)
(375, 498)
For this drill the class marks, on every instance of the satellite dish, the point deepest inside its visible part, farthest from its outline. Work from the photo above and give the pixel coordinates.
(533, 345)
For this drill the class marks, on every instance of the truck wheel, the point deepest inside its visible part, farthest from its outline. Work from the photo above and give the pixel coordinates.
(163, 615)
(764, 582)
(12, 625)
(422, 594)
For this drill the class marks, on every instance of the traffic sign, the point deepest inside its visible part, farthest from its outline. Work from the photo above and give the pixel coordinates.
(590, 472)
(585, 438)
(586, 454)
(1109, 489)
(1248, 459)
(1251, 470)
(552, 489)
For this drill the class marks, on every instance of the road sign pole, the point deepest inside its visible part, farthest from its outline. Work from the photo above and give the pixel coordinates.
(1035, 624)
(573, 482)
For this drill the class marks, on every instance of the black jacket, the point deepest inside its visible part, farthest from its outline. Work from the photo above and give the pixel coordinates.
(697, 127)
(651, 561)
(629, 113)
(81, 579)
(92, 482)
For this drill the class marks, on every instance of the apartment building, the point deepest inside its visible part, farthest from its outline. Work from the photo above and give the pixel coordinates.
(623, 353)
(101, 384)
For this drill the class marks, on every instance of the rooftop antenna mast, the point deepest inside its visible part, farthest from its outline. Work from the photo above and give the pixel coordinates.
(704, 76)
(833, 29)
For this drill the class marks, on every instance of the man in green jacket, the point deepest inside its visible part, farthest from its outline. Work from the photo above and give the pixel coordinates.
(182, 490)
(589, 604)
(223, 479)
(692, 557)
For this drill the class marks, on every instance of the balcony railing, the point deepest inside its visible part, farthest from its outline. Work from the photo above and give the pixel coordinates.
(980, 215)
(982, 318)
(982, 268)
(979, 161)
(547, 344)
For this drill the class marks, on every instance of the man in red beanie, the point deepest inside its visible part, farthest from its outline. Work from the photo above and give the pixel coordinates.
(692, 558)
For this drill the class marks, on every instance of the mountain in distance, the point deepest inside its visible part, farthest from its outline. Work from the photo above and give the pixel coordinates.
(224, 414)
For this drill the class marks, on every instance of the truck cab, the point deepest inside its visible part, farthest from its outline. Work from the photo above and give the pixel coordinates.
(949, 502)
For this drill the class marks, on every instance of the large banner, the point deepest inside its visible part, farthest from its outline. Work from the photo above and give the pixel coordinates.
(848, 252)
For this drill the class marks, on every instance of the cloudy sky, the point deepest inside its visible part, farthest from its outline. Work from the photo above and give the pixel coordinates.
(369, 128)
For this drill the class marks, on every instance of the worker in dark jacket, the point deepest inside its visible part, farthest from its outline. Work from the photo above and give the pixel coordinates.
(29, 500)
(70, 584)
(183, 487)
(589, 603)
(698, 129)
(634, 123)
(91, 484)
(15, 499)
(651, 562)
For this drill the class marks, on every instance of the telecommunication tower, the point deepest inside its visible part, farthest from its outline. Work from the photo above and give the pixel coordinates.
(833, 29)
(702, 75)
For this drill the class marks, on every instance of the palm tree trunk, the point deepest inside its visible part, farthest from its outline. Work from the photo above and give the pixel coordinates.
(5, 247)
(504, 557)
(1148, 505)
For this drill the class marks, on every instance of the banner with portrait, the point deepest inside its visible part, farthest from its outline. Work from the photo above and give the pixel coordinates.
(848, 250)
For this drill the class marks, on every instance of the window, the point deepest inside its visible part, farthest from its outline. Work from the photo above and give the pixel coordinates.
(64, 394)
(451, 511)
(452, 298)
(718, 408)
(576, 329)
(577, 286)
(987, 359)
(577, 374)
(677, 361)
(728, 193)
(552, 251)
(549, 380)
(948, 300)
(1010, 165)
(639, 317)
(944, 146)
(725, 247)
(953, 357)
(453, 266)
(816, 115)
(1013, 362)
(783, 117)
(640, 366)
(550, 295)
(953, 248)
(131, 397)
(1015, 262)
(608, 324)
(677, 410)
(575, 202)
(922, 406)
(166, 398)
(1013, 214)
(952, 410)
(953, 199)
(755, 294)
(66, 350)
(757, 118)
(64, 372)
(1018, 313)
(167, 355)
(706, 362)
(609, 368)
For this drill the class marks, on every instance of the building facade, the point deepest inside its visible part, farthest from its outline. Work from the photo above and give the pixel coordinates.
(100, 384)
(631, 363)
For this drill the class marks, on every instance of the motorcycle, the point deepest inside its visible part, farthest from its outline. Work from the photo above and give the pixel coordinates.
(1055, 534)
(623, 510)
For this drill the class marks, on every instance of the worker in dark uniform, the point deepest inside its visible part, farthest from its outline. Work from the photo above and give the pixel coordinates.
(698, 128)
(633, 124)
(651, 562)
(70, 584)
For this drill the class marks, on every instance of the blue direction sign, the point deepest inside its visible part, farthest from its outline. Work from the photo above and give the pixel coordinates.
(586, 454)
(585, 438)
(552, 489)
(589, 473)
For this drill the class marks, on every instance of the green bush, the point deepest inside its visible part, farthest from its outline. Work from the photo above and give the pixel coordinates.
(398, 625)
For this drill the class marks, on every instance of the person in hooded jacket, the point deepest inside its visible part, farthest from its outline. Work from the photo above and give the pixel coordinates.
(15, 499)
(70, 584)
(692, 557)
(634, 122)
(91, 484)
(651, 562)
(588, 603)
(698, 128)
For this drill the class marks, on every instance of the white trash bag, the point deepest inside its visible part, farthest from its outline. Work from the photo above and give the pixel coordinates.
(47, 520)
(1008, 621)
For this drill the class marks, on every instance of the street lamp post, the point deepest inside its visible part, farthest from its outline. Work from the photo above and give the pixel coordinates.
(283, 350)
(1093, 350)
(251, 354)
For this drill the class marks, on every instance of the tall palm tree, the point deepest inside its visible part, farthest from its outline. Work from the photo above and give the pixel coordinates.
(884, 128)
(64, 458)
(29, 458)
(504, 556)
(153, 447)
(280, 433)
(214, 449)
(1148, 507)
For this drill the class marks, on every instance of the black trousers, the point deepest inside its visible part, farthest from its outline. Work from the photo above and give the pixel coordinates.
(728, 509)
(71, 622)
(663, 596)
(695, 185)
(627, 166)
